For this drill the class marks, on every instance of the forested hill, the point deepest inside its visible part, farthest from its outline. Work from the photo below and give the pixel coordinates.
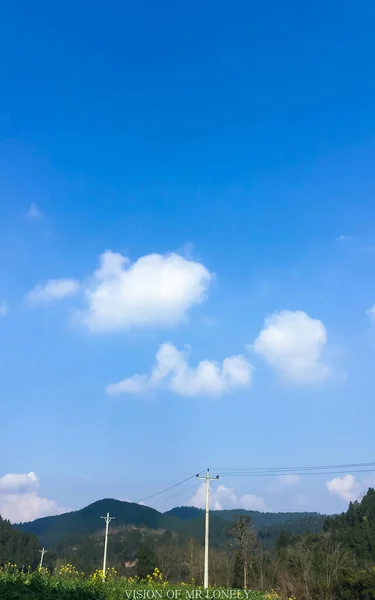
(355, 529)
(17, 547)
(183, 520)
(259, 519)
(334, 562)
(268, 525)
(86, 521)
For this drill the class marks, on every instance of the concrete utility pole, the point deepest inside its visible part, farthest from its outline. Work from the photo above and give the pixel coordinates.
(42, 553)
(207, 479)
(107, 520)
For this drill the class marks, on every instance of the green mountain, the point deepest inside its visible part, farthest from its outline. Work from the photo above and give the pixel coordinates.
(185, 513)
(86, 521)
(185, 520)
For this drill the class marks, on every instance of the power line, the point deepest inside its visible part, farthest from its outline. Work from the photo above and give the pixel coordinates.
(193, 487)
(169, 488)
(295, 468)
(277, 473)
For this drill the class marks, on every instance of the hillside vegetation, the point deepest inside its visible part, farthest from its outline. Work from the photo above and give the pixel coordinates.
(336, 562)
(183, 520)
(17, 546)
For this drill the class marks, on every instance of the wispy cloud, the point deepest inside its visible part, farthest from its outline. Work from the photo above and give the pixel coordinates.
(342, 238)
(3, 309)
(288, 479)
(54, 289)
(226, 498)
(34, 212)
(371, 313)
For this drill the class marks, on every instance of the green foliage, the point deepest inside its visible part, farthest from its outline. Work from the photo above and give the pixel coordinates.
(17, 547)
(185, 513)
(146, 560)
(356, 528)
(293, 552)
(284, 539)
(358, 585)
(68, 584)
(51, 530)
(182, 520)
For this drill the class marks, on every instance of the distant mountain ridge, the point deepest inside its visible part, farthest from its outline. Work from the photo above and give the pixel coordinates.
(185, 520)
(87, 520)
(259, 518)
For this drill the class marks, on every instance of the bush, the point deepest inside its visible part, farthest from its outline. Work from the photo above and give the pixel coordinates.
(357, 586)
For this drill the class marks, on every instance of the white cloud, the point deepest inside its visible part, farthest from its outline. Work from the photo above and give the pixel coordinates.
(154, 290)
(342, 238)
(3, 309)
(224, 497)
(293, 343)
(347, 487)
(172, 372)
(18, 482)
(371, 313)
(20, 501)
(54, 289)
(288, 479)
(20, 508)
(251, 502)
(34, 212)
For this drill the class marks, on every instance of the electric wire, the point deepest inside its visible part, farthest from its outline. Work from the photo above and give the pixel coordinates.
(193, 487)
(280, 473)
(338, 469)
(170, 487)
(251, 470)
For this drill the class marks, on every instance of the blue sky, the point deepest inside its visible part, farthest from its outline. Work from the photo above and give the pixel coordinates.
(222, 156)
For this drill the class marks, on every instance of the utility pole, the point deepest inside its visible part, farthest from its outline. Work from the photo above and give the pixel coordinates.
(107, 520)
(207, 479)
(42, 553)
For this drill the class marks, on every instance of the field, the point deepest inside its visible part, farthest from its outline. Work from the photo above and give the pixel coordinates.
(69, 584)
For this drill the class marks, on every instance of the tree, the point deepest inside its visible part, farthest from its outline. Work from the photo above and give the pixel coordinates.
(299, 559)
(243, 534)
(146, 560)
(284, 539)
(332, 560)
(17, 546)
(237, 580)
